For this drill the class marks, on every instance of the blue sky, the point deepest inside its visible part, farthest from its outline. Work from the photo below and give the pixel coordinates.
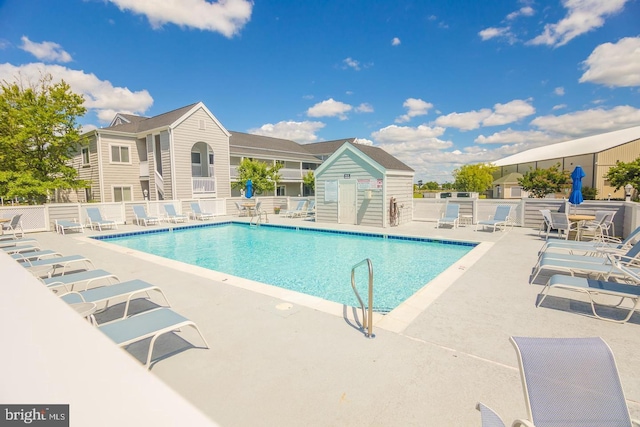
(438, 84)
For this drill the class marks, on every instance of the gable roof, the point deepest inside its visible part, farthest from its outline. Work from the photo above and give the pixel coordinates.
(250, 145)
(575, 147)
(142, 124)
(377, 154)
(511, 178)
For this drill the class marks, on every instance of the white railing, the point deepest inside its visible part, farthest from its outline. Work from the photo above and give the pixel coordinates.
(203, 185)
(144, 169)
(159, 183)
(289, 174)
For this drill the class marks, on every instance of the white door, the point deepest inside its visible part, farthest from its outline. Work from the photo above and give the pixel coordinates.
(347, 202)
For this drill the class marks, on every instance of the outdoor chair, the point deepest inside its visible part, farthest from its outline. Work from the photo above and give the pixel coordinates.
(298, 211)
(13, 226)
(595, 228)
(51, 265)
(96, 220)
(71, 280)
(63, 225)
(172, 215)
(35, 255)
(560, 222)
(545, 225)
(140, 214)
(16, 249)
(101, 296)
(311, 209)
(451, 215)
(501, 219)
(150, 324)
(604, 243)
(14, 242)
(567, 382)
(242, 211)
(196, 212)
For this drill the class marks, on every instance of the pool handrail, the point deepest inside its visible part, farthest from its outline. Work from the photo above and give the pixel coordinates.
(367, 321)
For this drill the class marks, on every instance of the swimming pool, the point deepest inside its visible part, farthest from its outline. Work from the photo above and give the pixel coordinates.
(314, 262)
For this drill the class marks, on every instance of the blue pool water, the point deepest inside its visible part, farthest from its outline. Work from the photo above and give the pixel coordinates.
(312, 262)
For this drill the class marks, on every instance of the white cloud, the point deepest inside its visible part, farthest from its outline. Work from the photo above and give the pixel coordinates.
(559, 91)
(45, 51)
(589, 122)
(415, 107)
(352, 63)
(226, 17)
(523, 11)
(614, 64)
(582, 17)
(363, 141)
(493, 32)
(364, 108)
(330, 108)
(509, 113)
(559, 107)
(423, 136)
(99, 95)
(301, 132)
(464, 121)
(395, 41)
(510, 136)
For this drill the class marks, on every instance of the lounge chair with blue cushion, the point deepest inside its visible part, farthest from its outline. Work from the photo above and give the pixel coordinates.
(489, 417)
(196, 212)
(79, 279)
(298, 211)
(172, 215)
(141, 216)
(501, 218)
(50, 266)
(13, 226)
(311, 209)
(17, 249)
(63, 225)
(451, 215)
(149, 324)
(103, 295)
(96, 220)
(35, 255)
(603, 243)
(15, 242)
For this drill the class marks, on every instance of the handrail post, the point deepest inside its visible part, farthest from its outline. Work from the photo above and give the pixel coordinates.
(367, 321)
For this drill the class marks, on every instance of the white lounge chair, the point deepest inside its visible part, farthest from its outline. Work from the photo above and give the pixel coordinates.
(150, 324)
(585, 247)
(103, 295)
(141, 216)
(311, 209)
(63, 225)
(51, 265)
(172, 215)
(13, 226)
(451, 215)
(596, 228)
(96, 220)
(35, 255)
(501, 218)
(298, 211)
(14, 242)
(86, 278)
(196, 212)
(567, 382)
(17, 249)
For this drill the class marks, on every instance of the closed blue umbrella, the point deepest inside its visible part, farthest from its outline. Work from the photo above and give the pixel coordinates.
(575, 198)
(249, 191)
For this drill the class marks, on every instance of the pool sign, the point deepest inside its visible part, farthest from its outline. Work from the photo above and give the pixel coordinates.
(369, 184)
(347, 175)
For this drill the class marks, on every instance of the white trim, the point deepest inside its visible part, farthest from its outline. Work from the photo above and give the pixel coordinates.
(100, 167)
(206, 110)
(82, 151)
(348, 147)
(121, 145)
(172, 155)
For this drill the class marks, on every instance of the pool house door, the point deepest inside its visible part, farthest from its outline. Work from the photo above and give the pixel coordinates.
(346, 202)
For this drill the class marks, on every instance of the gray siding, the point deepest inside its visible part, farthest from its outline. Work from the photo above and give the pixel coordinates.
(167, 172)
(120, 174)
(401, 187)
(185, 136)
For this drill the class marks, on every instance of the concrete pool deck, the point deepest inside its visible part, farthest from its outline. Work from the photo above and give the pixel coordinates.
(274, 361)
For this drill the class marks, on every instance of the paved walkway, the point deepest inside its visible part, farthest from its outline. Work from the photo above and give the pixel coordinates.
(277, 360)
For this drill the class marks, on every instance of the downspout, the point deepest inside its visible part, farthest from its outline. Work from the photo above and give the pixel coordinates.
(173, 163)
(100, 168)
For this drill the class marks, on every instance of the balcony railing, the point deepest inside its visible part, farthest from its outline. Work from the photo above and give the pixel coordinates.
(203, 185)
(144, 169)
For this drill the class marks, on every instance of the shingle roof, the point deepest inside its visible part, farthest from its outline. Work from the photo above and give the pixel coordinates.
(575, 147)
(147, 123)
(241, 144)
(377, 154)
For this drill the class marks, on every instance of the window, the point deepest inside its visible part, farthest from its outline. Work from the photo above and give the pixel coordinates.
(85, 155)
(195, 157)
(281, 190)
(87, 195)
(120, 154)
(122, 194)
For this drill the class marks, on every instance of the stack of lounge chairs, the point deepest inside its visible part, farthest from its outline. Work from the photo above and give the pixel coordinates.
(75, 279)
(605, 269)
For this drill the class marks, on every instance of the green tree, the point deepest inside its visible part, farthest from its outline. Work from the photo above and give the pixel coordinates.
(448, 186)
(625, 173)
(38, 138)
(431, 185)
(309, 179)
(263, 177)
(540, 182)
(477, 178)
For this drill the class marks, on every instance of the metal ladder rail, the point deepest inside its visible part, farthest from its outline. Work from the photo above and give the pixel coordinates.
(258, 218)
(367, 321)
